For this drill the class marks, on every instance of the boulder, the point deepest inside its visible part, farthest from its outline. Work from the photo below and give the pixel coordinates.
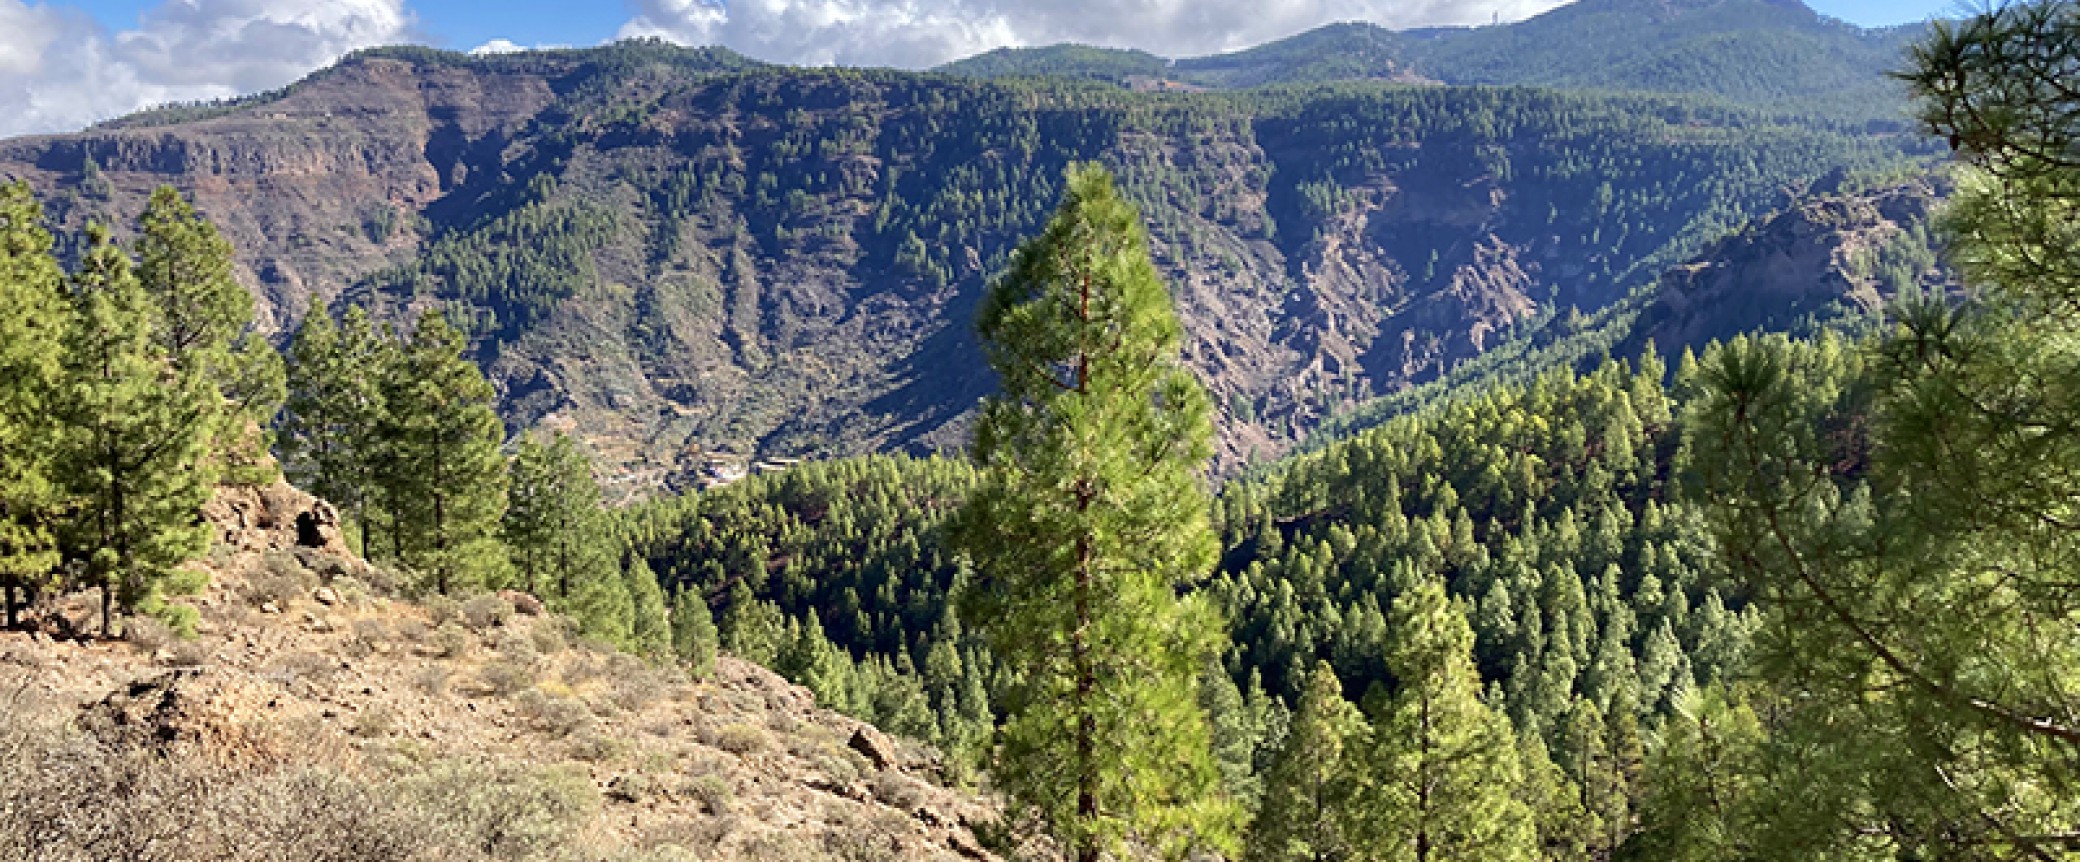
(523, 603)
(874, 746)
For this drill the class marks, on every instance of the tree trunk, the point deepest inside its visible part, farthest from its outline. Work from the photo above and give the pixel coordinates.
(1423, 782)
(1086, 690)
(105, 594)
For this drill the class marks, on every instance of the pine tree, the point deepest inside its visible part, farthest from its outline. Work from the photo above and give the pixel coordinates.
(138, 429)
(650, 625)
(1310, 789)
(184, 265)
(603, 607)
(1235, 735)
(1702, 782)
(33, 323)
(1089, 514)
(444, 476)
(694, 638)
(328, 433)
(752, 628)
(1442, 767)
(556, 532)
(1903, 510)
(204, 324)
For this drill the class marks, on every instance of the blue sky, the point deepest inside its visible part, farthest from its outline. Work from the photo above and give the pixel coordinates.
(67, 63)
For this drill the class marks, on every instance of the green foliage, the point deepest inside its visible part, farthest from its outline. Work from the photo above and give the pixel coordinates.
(205, 325)
(554, 525)
(1310, 788)
(33, 322)
(443, 479)
(327, 435)
(138, 426)
(1441, 767)
(650, 624)
(1896, 504)
(185, 267)
(1546, 507)
(694, 638)
(1088, 517)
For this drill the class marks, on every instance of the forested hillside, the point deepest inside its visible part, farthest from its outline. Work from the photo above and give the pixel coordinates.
(1774, 54)
(1595, 600)
(680, 253)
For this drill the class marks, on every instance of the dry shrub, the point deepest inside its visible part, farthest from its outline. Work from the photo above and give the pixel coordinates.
(548, 635)
(506, 677)
(441, 609)
(452, 641)
(279, 578)
(432, 680)
(485, 611)
(695, 838)
(780, 847)
(411, 630)
(366, 634)
(556, 716)
(742, 739)
(303, 666)
(508, 811)
(865, 838)
(147, 634)
(68, 798)
(188, 653)
(375, 721)
(713, 791)
(594, 747)
(899, 791)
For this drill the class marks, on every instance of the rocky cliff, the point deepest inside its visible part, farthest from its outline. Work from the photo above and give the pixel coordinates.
(1839, 254)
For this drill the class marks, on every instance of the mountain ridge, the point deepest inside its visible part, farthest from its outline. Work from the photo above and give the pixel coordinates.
(1747, 51)
(679, 256)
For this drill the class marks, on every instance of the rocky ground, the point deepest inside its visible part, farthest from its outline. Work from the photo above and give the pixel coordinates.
(306, 659)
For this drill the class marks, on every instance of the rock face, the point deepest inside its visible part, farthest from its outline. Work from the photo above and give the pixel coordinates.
(1829, 256)
(671, 256)
(277, 517)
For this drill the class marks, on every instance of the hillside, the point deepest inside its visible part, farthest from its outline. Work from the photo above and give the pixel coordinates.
(678, 253)
(317, 715)
(1777, 55)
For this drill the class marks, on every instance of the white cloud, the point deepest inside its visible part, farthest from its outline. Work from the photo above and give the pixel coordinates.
(508, 46)
(60, 71)
(918, 33)
(497, 46)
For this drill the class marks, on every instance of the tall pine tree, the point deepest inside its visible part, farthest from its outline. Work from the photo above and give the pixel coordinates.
(33, 323)
(443, 475)
(694, 638)
(139, 430)
(328, 429)
(1308, 795)
(1090, 513)
(205, 325)
(556, 532)
(1443, 768)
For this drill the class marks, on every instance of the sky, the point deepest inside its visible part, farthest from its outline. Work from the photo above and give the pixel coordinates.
(68, 63)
